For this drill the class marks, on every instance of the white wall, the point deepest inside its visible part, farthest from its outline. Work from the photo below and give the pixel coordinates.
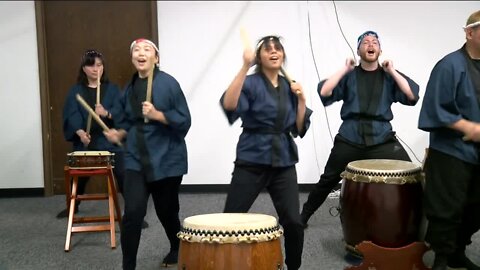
(21, 158)
(200, 45)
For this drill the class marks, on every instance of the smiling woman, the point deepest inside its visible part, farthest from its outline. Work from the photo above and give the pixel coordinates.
(156, 153)
(273, 111)
(99, 93)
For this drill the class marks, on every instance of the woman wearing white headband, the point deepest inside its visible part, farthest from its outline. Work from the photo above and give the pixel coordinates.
(154, 123)
(451, 113)
(273, 111)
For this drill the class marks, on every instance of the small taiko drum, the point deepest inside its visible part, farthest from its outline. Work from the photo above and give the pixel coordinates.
(381, 201)
(90, 159)
(234, 241)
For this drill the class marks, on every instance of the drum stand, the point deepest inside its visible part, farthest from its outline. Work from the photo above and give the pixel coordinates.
(375, 257)
(72, 197)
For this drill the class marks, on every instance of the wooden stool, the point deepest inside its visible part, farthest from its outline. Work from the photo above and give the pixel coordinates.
(375, 257)
(72, 197)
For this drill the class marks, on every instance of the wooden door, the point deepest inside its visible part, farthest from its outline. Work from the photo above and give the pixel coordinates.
(65, 29)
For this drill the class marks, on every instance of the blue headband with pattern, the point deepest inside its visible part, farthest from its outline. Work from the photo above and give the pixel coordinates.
(367, 33)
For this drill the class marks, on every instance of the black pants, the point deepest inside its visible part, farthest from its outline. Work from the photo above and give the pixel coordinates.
(118, 173)
(281, 183)
(343, 153)
(165, 199)
(452, 200)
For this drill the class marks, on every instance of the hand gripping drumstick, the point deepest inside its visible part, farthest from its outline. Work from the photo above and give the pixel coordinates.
(246, 42)
(93, 114)
(289, 79)
(149, 89)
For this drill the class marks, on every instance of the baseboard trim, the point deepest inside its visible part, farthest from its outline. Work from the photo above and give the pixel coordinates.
(21, 192)
(185, 188)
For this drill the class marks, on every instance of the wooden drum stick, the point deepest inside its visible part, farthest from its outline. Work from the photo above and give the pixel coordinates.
(92, 113)
(245, 38)
(149, 88)
(98, 90)
(287, 76)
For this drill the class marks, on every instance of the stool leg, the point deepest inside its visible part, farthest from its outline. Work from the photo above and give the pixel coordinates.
(71, 213)
(111, 211)
(67, 185)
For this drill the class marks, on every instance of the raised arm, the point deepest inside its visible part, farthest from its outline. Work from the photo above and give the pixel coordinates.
(331, 82)
(230, 100)
(402, 83)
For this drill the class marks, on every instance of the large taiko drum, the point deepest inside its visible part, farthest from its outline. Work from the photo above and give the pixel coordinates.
(90, 159)
(381, 201)
(234, 241)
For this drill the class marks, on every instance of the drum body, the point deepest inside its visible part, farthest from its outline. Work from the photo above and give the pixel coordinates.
(234, 241)
(90, 159)
(381, 201)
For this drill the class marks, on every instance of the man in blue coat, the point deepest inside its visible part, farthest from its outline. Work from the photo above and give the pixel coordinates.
(368, 92)
(451, 113)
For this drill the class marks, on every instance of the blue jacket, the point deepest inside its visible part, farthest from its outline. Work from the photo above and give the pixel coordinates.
(269, 122)
(75, 117)
(379, 119)
(155, 148)
(449, 97)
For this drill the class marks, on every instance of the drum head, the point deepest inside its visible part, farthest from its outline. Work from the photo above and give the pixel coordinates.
(90, 153)
(230, 228)
(383, 170)
(383, 166)
(230, 221)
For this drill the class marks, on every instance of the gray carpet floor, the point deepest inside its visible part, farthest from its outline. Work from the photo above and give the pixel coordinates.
(32, 238)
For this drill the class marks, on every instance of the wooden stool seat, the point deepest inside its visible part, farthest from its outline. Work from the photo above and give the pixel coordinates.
(72, 197)
(375, 257)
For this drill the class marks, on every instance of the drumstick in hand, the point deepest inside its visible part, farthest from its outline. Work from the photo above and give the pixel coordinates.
(247, 45)
(92, 113)
(245, 38)
(89, 123)
(98, 89)
(89, 120)
(149, 88)
(289, 79)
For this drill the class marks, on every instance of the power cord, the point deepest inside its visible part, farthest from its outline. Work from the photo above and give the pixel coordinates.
(318, 76)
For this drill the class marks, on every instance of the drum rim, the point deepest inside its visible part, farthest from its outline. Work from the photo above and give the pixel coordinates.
(89, 160)
(90, 153)
(408, 174)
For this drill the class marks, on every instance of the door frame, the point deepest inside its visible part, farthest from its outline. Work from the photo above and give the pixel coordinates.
(45, 103)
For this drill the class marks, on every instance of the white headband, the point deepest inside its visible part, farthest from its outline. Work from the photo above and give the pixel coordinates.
(472, 25)
(143, 40)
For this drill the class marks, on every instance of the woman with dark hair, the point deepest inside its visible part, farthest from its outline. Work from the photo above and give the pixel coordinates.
(273, 111)
(75, 117)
